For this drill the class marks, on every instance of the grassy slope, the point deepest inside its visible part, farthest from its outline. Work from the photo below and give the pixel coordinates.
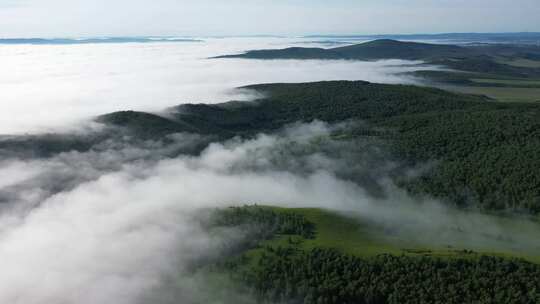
(343, 263)
(499, 87)
(506, 94)
(514, 80)
(521, 62)
(509, 82)
(353, 237)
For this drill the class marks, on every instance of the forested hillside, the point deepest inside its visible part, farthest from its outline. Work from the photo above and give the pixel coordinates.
(287, 272)
(484, 153)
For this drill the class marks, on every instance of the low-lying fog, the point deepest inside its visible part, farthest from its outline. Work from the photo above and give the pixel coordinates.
(44, 86)
(114, 224)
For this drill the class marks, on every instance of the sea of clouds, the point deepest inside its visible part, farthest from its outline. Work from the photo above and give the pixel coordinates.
(46, 87)
(118, 223)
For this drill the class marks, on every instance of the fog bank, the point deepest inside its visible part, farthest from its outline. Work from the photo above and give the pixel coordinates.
(54, 86)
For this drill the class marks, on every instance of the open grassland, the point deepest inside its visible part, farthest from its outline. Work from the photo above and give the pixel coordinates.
(505, 94)
(521, 62)
(508, 82)
(352, 236)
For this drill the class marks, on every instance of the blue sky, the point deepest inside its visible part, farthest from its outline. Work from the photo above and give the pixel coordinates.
(54, 18)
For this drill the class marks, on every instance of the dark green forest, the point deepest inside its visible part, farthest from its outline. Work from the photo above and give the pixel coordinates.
(264, 221)
(482, 153)
(289, 273)
(485, 152)
(327, 276)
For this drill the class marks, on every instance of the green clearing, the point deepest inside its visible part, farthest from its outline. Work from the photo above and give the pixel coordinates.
(339, 232)
(509, 82)
(352, 236)
(500, 87)
(314, 256)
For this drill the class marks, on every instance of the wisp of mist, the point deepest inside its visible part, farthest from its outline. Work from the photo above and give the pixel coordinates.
(121, 231)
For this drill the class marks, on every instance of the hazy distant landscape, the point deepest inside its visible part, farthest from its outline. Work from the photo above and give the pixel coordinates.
(98, 78)
(280, 153)
(501, 70)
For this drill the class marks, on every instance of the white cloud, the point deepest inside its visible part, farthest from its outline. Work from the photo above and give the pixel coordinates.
(54, 85)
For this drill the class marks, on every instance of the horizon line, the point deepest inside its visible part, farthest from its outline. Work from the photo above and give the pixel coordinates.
(313, 35)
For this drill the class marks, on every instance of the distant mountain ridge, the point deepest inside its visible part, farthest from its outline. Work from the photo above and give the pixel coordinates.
(373, 50)
(392, 49)
(480, 58)
(518, 37)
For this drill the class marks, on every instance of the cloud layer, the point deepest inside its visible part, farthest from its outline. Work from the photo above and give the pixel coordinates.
(57, 85)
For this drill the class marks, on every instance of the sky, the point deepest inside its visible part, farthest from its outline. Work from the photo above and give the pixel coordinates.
(68, 18)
